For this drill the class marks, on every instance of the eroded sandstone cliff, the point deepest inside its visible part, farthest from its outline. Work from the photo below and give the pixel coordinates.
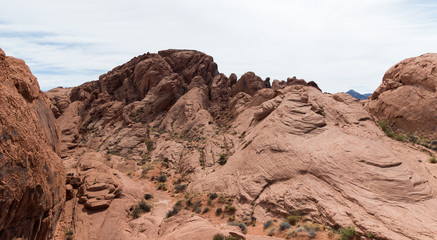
(32, 177)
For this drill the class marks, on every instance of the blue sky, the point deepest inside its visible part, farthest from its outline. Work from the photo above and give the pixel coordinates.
(340, 44)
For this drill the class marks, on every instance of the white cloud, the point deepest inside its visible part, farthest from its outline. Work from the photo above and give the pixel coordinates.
(339, 44)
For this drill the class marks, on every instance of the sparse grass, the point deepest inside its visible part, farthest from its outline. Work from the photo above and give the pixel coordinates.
(385, 126)
(433, 160)
(293, 219)
(406, 137)
(347, 233)
(368, 235)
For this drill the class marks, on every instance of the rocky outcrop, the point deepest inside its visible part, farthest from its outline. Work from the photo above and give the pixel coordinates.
(32, 178)
(248, 83)
(60, 99)
(189, 63)
(274, 150)
(310, 152)
(407, 96)
(96, 183)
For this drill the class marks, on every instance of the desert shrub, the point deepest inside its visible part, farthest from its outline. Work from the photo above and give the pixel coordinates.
(312, 233)
(292, 219)
(218, 211)
(180, 187)
(347, 233)
(205, 210)
(284, 226)
(368, 235)
(219, 236)
(144, 207)
(412, 138)
(148, 196)
(162, 178)
(136, 213)
(311, 226)
(223, 159)
(433, 160)
(271, 232)
(138, 209)
(176, 209)
(399, 137)
(291, 235)
(212, 196)
(268, 224)
(146, 170)
(69, 234)
(385, 126)
(243, 227)
(162, 187)
(253, 220)
(197, 207)
(229, 209)
(189, 202)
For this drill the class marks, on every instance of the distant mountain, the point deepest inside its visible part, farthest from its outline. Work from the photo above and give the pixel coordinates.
(358, 95)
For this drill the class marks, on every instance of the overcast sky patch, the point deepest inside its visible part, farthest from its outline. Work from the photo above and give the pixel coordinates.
(340, 44)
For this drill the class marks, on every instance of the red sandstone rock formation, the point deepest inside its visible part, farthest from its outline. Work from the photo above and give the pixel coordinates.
(275, 150)
(407, 96)
(32, 178)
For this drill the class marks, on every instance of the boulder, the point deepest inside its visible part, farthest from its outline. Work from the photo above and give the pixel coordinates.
(407, 96)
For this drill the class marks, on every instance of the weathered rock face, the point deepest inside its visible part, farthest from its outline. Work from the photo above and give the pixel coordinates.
(189, 63)
(32, 178)
(407, 96)
(323, 155)
(248, 83)
(279, 150)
